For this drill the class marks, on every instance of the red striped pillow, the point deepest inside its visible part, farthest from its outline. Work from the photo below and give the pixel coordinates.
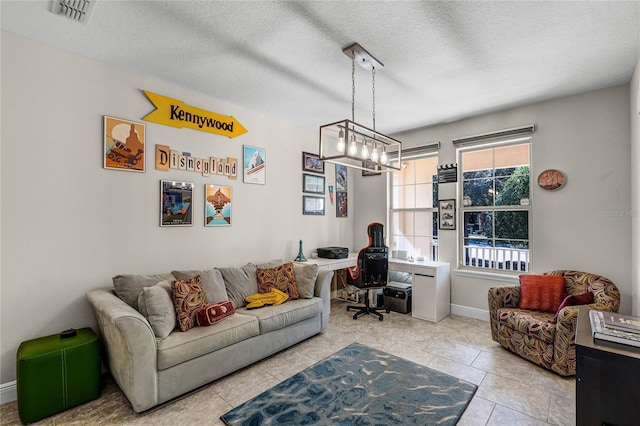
(541, 292)
(212, 313)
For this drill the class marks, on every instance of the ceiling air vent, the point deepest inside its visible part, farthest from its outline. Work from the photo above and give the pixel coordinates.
(78, 10)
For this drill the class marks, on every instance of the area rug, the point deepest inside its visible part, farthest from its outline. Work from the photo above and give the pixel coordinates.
(359, 385)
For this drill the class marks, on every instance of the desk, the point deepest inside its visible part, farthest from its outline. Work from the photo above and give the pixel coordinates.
(337, 265)
(431, 287)
(607, 379)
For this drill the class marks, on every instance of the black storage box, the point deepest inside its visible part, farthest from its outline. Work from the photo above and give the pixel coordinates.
(333, 252)
(397, 297)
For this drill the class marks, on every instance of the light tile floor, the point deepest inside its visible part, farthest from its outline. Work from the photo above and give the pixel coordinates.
(511, 391)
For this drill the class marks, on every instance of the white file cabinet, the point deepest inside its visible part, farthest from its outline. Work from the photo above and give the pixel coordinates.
(431, 291)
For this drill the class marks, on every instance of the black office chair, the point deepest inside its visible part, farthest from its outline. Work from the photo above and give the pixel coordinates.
(371, 270)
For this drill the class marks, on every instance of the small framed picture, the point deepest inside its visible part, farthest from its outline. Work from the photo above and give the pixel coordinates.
(255, 162)
(312, 184)
(341, 177)
(312, 163)
(175, 203)
(124, 145)
(369, 166)
(341, 204)
(312, 205)
(217, 205)
(447, 214)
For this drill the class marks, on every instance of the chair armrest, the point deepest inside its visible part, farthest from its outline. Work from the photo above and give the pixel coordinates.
(323, 290)
(130, 345)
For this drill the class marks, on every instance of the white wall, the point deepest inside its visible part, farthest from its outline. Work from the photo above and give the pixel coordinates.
(634, 94)
(585, 225)
(68, 225)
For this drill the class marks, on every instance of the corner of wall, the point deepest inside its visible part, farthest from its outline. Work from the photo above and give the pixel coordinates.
(634, 89)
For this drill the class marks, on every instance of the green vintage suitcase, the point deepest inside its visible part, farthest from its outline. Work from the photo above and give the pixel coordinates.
(54, 374)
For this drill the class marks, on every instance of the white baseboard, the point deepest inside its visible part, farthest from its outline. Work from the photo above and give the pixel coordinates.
(466, 311)
(8, 392)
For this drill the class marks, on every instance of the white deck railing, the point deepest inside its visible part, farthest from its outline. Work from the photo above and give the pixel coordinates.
(501, 258)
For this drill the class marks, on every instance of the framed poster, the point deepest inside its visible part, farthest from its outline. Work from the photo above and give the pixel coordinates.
(447, 214)
(217, 205)
(312, 184)
(254, 164)
(312, 205)
(175, 203)
(124, 145)
(341, 177)
(312, 163)
(341, 204)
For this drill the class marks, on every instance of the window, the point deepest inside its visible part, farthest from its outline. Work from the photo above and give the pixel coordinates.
(413, 208)
(495, 208)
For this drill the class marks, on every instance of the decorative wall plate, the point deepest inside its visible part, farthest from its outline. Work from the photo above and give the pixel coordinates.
(551, 179)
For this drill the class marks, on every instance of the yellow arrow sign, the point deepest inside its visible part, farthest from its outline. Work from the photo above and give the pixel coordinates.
(175, 113)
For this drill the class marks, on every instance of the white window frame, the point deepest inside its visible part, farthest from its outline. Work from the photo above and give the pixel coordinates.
(496, 256)
(433, 254)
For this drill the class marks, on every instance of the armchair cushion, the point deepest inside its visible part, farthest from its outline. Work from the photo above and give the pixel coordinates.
(541, 292)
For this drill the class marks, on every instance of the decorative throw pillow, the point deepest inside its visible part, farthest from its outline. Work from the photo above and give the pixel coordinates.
(188, 298)
(281, 277)
(212, 313)
(306, 276)
(156, 305)
(242, 281)
(211, 280)
(129, 287)
(541, 292)
(573, 300)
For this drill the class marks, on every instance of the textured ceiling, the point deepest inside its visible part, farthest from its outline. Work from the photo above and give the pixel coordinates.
(442, 60)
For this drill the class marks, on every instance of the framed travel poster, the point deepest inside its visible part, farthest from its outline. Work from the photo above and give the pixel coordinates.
(341, 177)
(124, 145)
(312, 163)
(175, 203)
(312, 205)
(254, 164)
(341, 204)
(217, 205)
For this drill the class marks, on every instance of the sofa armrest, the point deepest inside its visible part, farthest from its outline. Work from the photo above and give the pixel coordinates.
(503, 297)
(130, 345)
(323, 290)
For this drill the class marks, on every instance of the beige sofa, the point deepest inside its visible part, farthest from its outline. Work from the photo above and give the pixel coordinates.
(152, 368)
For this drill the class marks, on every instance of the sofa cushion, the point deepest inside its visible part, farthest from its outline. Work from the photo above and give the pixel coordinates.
(536, 324)
(541, 292)
(306, 276)
(212, 313)
(281, 277)
(198, 341)
(157, 307)
(241, 281)
(211, 280)
(129, 287)
(276, 317)
(188, 298)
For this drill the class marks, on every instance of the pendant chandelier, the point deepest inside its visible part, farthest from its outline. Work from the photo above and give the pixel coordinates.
(351, 144)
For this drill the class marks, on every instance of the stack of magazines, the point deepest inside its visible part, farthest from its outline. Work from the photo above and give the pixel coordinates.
(612, 327)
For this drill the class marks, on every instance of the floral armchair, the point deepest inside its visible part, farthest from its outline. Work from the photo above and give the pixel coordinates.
(534, 335)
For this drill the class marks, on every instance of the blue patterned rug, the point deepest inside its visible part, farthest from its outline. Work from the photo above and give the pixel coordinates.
(359, 385)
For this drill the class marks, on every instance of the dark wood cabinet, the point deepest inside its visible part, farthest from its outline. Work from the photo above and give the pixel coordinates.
(607, 380)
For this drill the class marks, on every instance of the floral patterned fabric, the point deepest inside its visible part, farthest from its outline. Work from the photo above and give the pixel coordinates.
(533, 335)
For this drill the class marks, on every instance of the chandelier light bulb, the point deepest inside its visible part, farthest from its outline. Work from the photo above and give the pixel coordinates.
(374, 154)
(341, 146)
(365, 150)
(383, 158)
(353, 147)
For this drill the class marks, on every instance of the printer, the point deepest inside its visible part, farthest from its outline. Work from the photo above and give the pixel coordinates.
(333, 252)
